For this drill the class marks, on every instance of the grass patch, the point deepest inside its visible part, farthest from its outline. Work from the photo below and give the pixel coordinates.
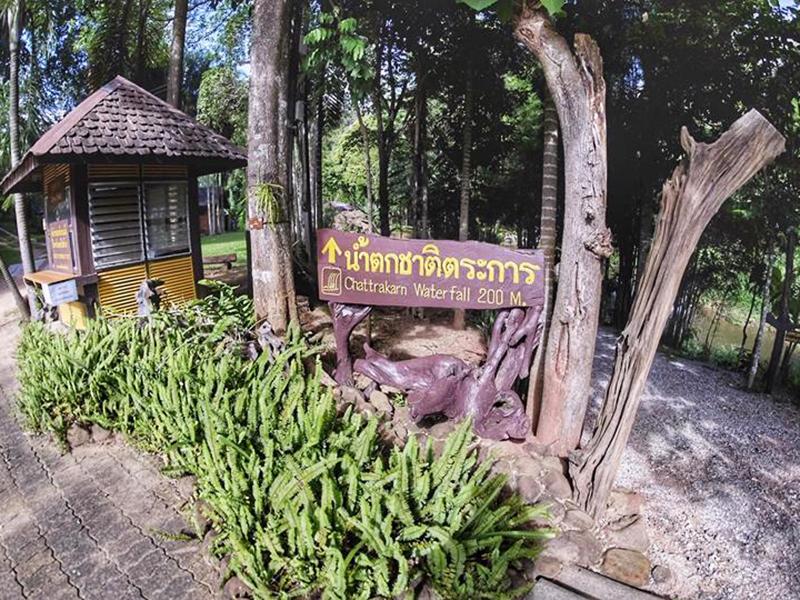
(232, 242)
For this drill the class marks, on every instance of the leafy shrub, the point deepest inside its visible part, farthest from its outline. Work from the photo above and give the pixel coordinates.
(308, 502)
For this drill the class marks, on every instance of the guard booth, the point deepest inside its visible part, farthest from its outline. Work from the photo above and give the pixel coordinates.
(119, 179)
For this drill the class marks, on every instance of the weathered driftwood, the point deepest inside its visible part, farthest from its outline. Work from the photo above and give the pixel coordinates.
(575, 80)
(708, 175)
(446, 385)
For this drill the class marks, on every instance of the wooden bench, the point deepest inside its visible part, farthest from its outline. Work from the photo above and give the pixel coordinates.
(225, 259)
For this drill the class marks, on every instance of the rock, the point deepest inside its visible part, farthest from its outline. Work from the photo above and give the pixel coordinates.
(441, 431)
(207, 545)
(577, 520)
(100, 434)
(545, 566)
(556, 484)
(235, 588)
(553, 463)
(529, 488)
(350, 395)
(627, 566)
(382, 403)
(632, 537)
(326, 379)
(574, 547)
(528, 465)
(622, 503)
(391, 390)
(507, 449)
(400, 433)
(77, 435)
(663, 575)
(362, 381)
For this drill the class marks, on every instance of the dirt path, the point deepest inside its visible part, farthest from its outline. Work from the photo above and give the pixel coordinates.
(720, 470)
(87, 524)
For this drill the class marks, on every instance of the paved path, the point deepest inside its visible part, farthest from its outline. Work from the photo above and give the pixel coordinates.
(88, 524)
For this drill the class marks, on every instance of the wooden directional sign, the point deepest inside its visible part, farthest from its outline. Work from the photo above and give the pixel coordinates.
(378, 271)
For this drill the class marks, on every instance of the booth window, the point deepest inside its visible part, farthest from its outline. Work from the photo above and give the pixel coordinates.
(115, 220)
(166, 218)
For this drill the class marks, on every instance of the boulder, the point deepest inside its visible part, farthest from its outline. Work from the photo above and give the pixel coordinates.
(628, 566)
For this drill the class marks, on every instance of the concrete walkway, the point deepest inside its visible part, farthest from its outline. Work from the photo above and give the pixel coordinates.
(89, 524)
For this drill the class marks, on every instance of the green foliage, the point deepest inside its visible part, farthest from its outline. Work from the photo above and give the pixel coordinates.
(505, 8)
(335, 43)
(308, 502)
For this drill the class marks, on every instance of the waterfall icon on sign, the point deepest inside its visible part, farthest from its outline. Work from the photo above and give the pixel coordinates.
(332, 281)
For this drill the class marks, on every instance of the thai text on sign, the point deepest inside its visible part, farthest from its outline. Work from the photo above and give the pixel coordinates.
(378, 271)
(60, 245)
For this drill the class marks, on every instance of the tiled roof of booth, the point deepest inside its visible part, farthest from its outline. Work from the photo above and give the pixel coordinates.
(121, 122)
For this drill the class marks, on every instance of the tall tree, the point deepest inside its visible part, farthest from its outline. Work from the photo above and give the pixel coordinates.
(175, 73)
(14, 15)
(269, 145)
(459, 316)
(576, 84)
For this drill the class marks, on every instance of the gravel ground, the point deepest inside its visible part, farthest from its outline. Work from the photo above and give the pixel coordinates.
(720, 471)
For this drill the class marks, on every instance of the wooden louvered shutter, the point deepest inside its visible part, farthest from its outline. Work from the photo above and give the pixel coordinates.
(115, 220)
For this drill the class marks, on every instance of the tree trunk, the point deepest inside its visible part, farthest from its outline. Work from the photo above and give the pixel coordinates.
(317, 133)
(766, 289)
(269, 146)
(786, 364)
(141, 41)
(419, 182)
(459, 316)
(547, 244)
(700, 184)
(175, 72)
(14, 14)
(362, 127)
(22, 306)
(575, 81)
(742, 348)
(786, 296)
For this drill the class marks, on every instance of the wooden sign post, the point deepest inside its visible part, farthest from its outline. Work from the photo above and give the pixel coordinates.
(357, 272)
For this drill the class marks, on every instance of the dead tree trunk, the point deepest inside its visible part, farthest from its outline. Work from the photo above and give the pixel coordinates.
(575, 81)
(700, 184)
(269, 148)
(755, 358)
